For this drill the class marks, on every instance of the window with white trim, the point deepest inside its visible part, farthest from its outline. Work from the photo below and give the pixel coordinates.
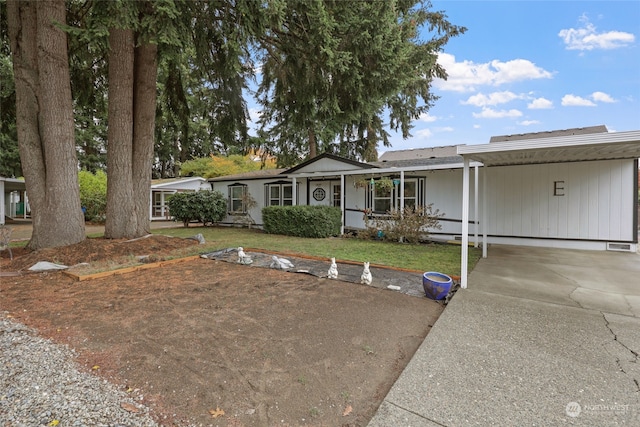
(381, 201)
(410, 193)
(336, 195)
(237, 197)
(279, 194)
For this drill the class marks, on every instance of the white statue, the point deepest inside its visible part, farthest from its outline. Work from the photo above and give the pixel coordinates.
(333, 270)
(280, 263)
(242, 257)
(366, 278)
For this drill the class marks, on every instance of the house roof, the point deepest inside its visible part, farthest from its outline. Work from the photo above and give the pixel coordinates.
(13, 184)
(332, 157)
(550, 134)
(259, 174)
(421, 161)
(418, 153)
(171, 182)
(571, 148)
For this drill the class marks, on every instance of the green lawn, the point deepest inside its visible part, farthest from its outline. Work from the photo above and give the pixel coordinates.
(424, 257)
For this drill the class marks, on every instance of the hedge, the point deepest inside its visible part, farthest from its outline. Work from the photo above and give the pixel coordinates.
(207, 207)
(302, 221)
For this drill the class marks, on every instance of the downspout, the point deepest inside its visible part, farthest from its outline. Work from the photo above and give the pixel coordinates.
(465, 225)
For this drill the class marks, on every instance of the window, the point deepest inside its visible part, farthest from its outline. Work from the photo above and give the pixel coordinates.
(337, 195)
(410, 194)
(237, 195)
(279, 194)
(383, 200)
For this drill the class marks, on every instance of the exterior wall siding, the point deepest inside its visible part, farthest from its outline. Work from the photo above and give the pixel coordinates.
(597, 203)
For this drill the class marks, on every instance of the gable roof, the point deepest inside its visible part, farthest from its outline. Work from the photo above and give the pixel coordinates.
(330, 157)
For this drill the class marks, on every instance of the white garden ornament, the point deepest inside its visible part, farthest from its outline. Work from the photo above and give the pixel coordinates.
(280, 263)
(333, 270)
(242, 257)
(366, 277)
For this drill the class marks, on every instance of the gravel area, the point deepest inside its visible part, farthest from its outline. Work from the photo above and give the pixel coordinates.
(41, 385)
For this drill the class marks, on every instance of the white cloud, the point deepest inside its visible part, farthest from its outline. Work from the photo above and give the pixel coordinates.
(495, 98)
(529, 122)
(465, 76)
(426, 117)
(602, 97)
(254, 114)
(571, 100)
(540, 104)
(587, 38)
(424, 133)
(489, 113)
(444, 129)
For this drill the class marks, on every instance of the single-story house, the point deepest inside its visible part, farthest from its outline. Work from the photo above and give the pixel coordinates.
(163, 189)
(576, 188)
(13, 200)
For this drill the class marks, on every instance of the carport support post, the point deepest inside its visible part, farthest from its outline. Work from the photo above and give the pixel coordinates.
(401, 192)
(484, 212)
(294, 192)
(465, 224)
(342, 190)
(475, 207)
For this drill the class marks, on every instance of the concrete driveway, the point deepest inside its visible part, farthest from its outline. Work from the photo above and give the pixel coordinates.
(540, 337)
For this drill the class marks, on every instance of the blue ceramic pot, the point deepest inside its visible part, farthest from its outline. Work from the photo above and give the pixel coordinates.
(436, 285)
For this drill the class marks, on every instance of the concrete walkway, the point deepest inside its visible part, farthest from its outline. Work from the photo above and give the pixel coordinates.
(540, 337)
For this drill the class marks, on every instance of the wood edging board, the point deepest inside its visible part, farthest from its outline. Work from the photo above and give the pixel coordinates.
(81, 278)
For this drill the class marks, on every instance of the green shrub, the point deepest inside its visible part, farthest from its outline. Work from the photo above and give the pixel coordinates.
(302, 221)
(207, 207)
(403, 225)
(93, 195)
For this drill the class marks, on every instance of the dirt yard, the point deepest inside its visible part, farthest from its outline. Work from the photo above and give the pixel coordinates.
(209, 342)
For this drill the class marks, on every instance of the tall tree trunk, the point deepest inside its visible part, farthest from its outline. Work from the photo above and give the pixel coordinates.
(44, 118)
(145, 69)
(121, 218)
(370, 152)
(313, 144)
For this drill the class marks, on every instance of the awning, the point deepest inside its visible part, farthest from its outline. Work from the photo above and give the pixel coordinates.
(561, 149)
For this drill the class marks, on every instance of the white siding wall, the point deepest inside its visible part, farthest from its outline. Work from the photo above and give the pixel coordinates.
(444, 190)
(597, 205)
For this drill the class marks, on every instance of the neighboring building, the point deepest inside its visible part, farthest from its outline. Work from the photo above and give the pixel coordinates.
(163, 189)
(576, 188)
(13, 200)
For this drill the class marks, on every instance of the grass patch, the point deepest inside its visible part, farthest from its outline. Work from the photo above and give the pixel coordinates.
(421, 257)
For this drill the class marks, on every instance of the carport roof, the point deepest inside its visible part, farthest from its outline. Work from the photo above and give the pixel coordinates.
(574, 148)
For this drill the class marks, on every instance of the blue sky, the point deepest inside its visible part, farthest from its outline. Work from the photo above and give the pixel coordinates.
(532, 66)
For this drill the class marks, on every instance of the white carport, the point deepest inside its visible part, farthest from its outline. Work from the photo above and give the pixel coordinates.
(551, 150)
